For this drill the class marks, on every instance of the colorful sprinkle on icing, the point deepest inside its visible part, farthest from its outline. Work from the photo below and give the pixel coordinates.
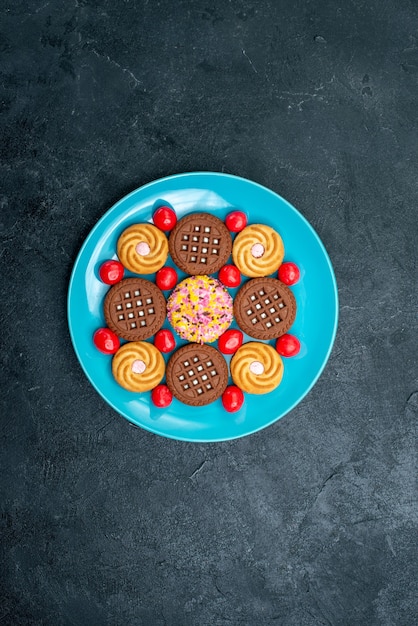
(200, 309)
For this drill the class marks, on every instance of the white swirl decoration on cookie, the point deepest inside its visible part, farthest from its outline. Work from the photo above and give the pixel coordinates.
(143, 248)
(258, 250)
(256, 368)
(138, 366)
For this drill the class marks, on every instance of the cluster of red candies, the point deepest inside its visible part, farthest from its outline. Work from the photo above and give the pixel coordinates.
(111, 272)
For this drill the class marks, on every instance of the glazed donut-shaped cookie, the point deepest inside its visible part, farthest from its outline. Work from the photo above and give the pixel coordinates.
(256, 368)
(138, 366)
(142, 248)
(258, 250)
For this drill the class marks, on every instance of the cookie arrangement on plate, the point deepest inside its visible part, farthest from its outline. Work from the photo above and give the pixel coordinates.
(200, 309)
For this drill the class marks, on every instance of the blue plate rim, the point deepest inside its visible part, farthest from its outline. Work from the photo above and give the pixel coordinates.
(113, 208)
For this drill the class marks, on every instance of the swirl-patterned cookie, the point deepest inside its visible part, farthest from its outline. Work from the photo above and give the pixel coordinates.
(134, 309)
(142, 248)
(256, 368)
(138, 366)
(258, 250)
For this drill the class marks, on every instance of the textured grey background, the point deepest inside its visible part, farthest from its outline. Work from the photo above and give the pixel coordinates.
(314, 520)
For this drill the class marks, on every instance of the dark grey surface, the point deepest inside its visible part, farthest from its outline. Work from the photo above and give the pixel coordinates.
(314, 520)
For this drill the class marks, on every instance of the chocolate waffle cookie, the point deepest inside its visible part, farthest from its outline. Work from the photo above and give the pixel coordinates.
(200, 243)
(265, 308)
(197, 375)
(134, 309)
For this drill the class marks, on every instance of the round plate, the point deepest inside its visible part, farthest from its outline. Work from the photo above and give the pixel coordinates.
(315, 293)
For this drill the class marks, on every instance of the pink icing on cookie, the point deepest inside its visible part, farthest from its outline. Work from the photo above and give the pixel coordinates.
(256, 368)
(142, 248)
(138, 367)
(257, 250)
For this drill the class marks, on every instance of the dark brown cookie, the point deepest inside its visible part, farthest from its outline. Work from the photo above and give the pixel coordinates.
(265, 308)
(200, 243)
(196, 374)
(134, 309)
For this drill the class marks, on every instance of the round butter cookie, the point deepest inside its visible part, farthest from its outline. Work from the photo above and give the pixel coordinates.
(256, 368)
(142, 248)
(138, 366)
(258, 250)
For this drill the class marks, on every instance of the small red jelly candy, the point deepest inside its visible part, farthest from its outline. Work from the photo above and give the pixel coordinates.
(161, 396)
(288, 345)
(166, 278)
(232, 399)
(111, 272)
(164, 340)
(236, 221)
(230, 276)
(230, 341)
(289, 273)
(106, 341)
(164, 218)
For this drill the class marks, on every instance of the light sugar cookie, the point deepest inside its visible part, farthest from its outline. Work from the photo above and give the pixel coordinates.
(138, 366)
(142, 248)
(258, 250)
(256, 368)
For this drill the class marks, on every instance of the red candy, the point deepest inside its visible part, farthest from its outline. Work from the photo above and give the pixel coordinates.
(111, 272)
(166, 278)
(288, 345)
(106, 341)
(232, 399)
(230, 276)
(161, 396)
(230, 341)
(164, 218)
(289, 273)
(164, 340)
(236, 221)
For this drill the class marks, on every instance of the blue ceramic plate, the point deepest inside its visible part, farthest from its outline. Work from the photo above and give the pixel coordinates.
(316, 297)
